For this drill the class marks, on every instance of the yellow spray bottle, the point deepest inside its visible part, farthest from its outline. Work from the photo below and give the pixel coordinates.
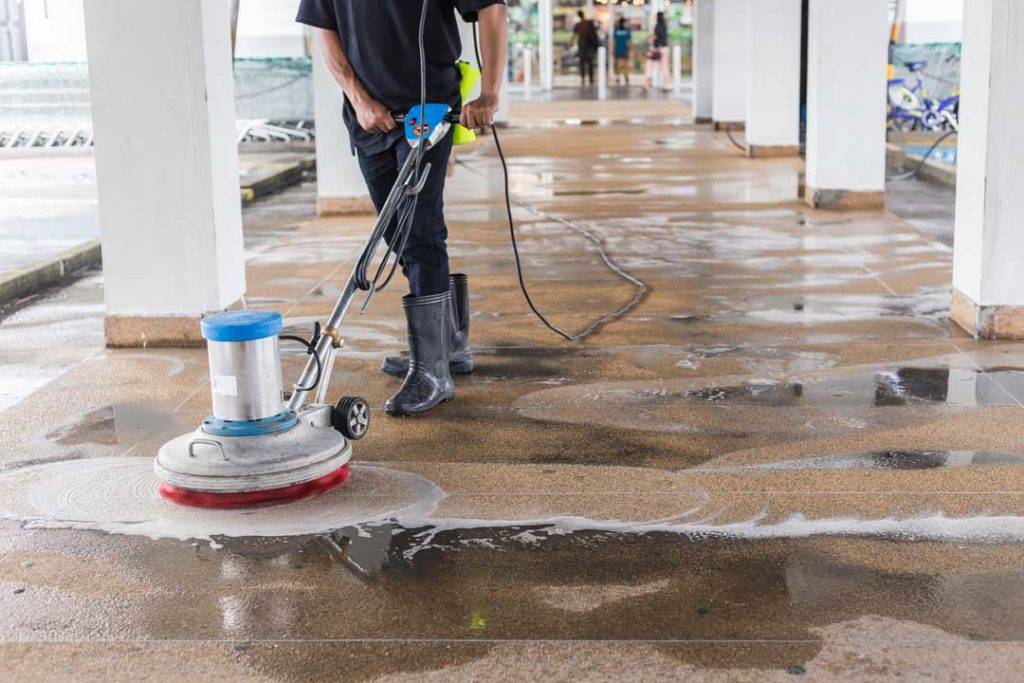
(470, 76)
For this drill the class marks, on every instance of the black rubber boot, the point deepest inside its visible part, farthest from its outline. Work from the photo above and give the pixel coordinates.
(427, 381)
(460, 356)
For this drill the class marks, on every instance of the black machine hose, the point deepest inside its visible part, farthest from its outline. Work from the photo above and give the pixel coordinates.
(406, 209)
(920, 164)
(310, 345)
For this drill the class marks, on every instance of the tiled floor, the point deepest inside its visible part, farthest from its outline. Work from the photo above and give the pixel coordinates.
(784, 462)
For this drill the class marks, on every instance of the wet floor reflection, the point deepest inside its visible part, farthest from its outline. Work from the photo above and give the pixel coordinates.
(928, 305)
(739, 413)
(887, 388)
(887, 460)
(517, 582)
(123, 424)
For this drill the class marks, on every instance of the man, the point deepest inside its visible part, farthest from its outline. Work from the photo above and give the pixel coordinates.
(587, 42)
(623, 40)
(371, 49)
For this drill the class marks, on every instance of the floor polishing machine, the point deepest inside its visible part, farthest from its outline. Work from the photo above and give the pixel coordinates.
(258, 448)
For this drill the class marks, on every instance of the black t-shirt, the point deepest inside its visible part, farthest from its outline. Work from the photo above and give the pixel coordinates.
(380, 41)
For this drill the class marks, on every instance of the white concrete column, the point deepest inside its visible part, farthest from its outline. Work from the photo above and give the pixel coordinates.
(546, 34)
(602, 73)
(988, 257)
(527, 72)
(501, 115)
(703, 60)
(846, 104)
(773, 114)
(730, 61)
(167, 166)
(677, 69)
(340, 188)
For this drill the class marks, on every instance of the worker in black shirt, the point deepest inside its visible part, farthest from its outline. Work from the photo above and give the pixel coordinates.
(371, 48)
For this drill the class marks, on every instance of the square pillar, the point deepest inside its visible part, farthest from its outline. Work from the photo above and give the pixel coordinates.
(848, 53)
(546, 49)
(988, 256)
(167, 166)
(730, 62)
(703, 60)
(340, 188)
(773, 116)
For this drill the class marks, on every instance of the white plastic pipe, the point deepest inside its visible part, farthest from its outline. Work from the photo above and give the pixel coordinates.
(527, 71)
(677, 69)
(602, 73)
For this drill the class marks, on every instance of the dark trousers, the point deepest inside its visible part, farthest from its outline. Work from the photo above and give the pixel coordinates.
(587, 57)
(425, 257)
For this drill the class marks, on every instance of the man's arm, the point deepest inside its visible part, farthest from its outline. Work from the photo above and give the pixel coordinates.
(493, 26)
(372, 115)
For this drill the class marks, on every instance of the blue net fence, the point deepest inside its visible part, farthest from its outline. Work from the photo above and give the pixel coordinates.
(936, 66)
(279, 89)
(41, 96)
(35, 96)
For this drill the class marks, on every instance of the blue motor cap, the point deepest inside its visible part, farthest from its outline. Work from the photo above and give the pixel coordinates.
(429, 118)
(240, 326)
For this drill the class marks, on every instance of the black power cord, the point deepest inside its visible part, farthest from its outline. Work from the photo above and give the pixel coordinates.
(920, 164)
(728, 134)
(512, 226)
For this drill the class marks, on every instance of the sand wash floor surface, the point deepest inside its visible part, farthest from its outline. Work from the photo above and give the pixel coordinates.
(119, 495)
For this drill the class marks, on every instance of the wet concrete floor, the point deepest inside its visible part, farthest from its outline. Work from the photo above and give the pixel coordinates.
(49, 199)
(783, 463)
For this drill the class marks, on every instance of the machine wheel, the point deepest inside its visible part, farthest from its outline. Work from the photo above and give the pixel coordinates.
(351, 417)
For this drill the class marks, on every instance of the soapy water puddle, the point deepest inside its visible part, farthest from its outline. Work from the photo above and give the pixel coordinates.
(752, 408)
(123, 423)
(119, 496)
(932, 305)
(597, 193)
(18, 380)
(882, 460)
(755, 359)
(888, 388)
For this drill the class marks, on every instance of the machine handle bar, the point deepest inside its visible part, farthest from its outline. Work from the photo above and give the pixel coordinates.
(450, 117)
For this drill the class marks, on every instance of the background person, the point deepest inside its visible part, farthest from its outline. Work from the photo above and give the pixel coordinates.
(587, 42)
(657, 55)
(623, 41)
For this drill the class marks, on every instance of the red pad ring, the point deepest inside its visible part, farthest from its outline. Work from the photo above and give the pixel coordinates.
(248, 499)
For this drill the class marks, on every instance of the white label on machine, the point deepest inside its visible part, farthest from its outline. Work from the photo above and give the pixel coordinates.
(225, 385)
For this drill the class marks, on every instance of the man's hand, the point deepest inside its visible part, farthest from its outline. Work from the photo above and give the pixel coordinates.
(479, 112)
(493, 24)
(373, 116)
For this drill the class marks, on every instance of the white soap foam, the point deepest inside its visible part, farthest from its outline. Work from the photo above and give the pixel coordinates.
(932, 527)
(119, 495)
